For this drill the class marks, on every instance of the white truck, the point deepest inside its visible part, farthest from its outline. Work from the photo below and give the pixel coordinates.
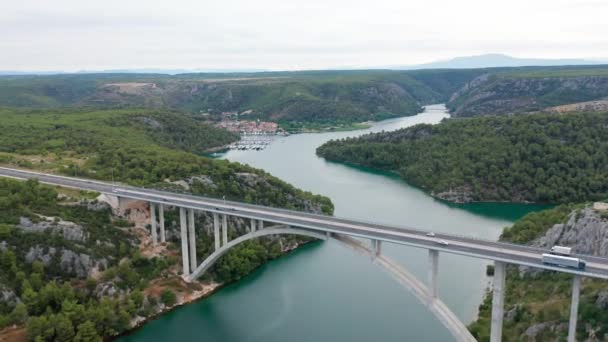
(561, 250)
(563, 261)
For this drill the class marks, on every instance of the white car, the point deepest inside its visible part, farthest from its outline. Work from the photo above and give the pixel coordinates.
(431, 234)
(442, 242)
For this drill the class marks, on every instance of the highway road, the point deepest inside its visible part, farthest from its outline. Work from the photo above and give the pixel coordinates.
(597, 267)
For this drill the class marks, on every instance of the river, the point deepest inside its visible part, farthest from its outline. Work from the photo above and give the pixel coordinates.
(326, 292)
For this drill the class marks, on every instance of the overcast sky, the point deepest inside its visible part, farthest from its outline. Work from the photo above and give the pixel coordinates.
(75, 35)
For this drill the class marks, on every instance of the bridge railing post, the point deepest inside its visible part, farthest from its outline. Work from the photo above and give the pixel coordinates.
(498, 299)
(184, 238)
(576, 289)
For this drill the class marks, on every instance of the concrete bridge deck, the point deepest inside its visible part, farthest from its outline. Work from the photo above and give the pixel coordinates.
(597, 267)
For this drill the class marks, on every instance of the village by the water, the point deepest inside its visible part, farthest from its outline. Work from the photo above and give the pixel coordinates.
(255, 134)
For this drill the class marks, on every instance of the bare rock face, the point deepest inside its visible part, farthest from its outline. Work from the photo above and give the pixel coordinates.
(38, 253)
(457, 195)
(8, 297)
(107, 289)
(96, 205)
(602, 300)
(585, 231)
(79, 264)
(69, 230)
(495, 95)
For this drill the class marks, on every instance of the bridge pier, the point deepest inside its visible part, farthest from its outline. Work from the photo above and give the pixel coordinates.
(224, 229)
(216, 230)
(184, 238)
(576, 289)
(153, 223)
(260, 224)
(433, 274)
(192, 239)
(161, 219)
(252, 229)
(376, 247)
(498, 301)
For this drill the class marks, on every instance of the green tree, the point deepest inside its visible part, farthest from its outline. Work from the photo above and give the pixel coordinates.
(19, 314)
(168, 297)
(87, 333)
(64, 330)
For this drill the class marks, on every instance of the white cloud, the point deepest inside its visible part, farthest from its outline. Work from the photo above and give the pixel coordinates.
(281, 34)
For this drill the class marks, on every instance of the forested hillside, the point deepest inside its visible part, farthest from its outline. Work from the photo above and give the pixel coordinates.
(529, 89)
(317, 98)
(139, 147)
(550, 158)
(295, 99)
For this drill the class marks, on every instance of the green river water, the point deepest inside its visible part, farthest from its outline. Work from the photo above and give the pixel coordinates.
(326, 292)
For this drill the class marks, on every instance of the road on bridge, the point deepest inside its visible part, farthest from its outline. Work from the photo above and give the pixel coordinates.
(597, 267)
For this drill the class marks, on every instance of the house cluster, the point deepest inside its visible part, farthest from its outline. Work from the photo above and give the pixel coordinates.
(247, 126)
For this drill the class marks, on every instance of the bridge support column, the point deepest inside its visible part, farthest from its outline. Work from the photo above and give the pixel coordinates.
(153, 223)
(376, 247)
(576, 289)
(184, 238)
(252, 225)
(216, 230)
(192, 239)
(260, 224)
(161, 219)
(498, 301)
(433, 274)
(224, 229)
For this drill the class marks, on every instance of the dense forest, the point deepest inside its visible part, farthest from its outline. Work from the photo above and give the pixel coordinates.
(547, 158)
(537, 304)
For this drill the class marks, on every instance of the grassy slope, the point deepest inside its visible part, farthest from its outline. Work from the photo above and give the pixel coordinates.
(540, 158)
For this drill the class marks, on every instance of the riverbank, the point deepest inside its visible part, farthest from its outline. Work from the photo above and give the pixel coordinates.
(189, 293)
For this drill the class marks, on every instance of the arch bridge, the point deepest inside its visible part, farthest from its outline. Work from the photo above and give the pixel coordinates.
(265, 221)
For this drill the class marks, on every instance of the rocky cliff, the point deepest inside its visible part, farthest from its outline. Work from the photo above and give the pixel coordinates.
(495, 94)
(538, 302)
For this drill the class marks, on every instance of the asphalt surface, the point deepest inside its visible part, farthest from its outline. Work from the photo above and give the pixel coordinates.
(514, 254)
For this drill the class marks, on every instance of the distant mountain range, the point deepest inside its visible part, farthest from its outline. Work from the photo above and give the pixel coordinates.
(496, 60)
(490, 60)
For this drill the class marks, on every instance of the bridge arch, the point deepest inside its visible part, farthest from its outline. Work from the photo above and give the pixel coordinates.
(422, 293)
(282, 230)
